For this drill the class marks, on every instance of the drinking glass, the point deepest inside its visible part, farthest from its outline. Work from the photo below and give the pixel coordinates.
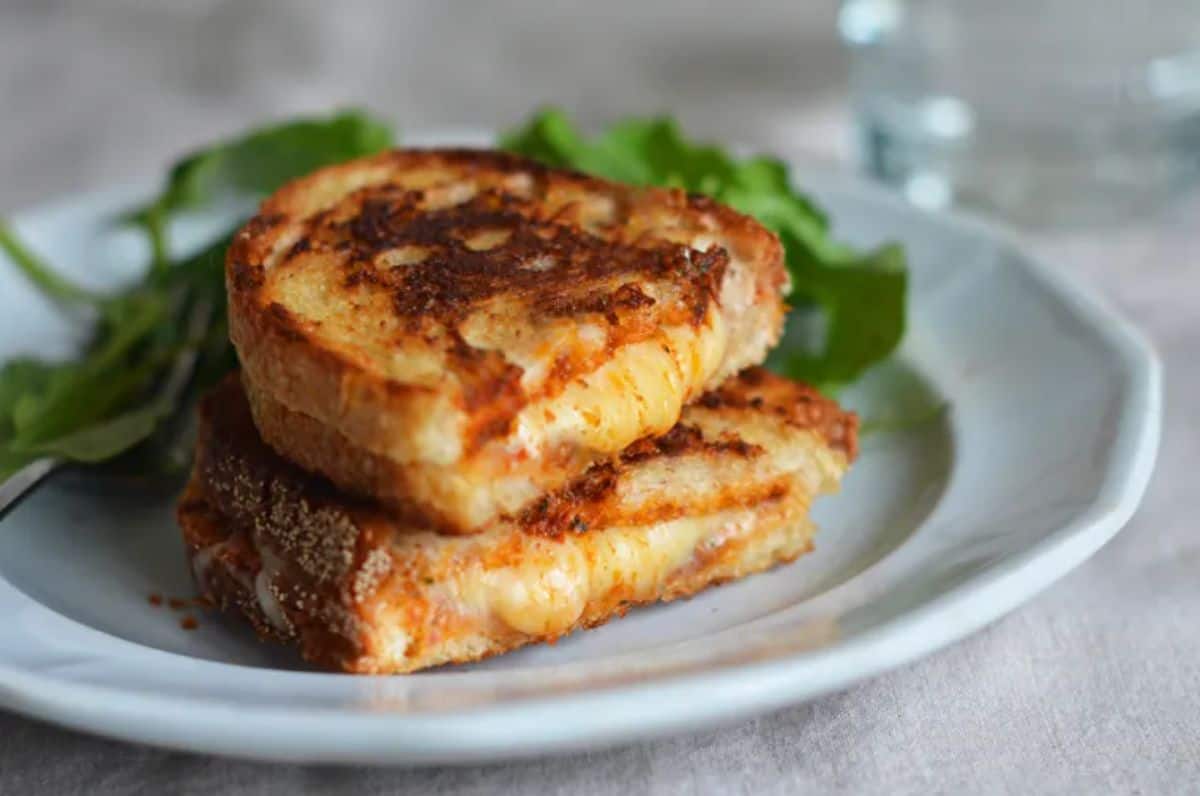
(1043, 109)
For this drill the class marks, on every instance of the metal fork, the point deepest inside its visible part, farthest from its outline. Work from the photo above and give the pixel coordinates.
(21, 484)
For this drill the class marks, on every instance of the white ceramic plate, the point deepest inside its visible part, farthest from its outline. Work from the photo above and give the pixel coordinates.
(1043, 454)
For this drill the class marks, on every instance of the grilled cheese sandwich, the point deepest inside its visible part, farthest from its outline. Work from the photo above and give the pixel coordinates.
(723, 494)
(456, 332)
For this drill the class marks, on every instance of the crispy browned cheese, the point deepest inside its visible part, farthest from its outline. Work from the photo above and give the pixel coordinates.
(455, 332)
(725, 493)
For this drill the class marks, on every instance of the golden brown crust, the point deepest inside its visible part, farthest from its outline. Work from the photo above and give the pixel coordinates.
(427, 305)
(778, 536)
(592, 500)
(359, 590)
(227, 565)
(317, 447)
(798, 405)
(556, 504)
(466, 253)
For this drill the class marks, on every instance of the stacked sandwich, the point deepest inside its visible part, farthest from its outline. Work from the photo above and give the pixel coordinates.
(483, 403)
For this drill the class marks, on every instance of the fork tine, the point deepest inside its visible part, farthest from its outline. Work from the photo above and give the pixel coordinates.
(18, 485)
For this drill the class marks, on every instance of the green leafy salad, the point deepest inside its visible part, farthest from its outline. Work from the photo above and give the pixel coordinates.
(109, 403)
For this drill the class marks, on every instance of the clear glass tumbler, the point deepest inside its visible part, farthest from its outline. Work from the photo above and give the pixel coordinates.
(1047, 110)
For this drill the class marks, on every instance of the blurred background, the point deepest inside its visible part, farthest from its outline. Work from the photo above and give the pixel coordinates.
(1058, 112)
(102, 91)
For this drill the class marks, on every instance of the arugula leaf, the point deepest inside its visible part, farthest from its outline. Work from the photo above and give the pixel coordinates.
(261, 161)
(108, 438)
(861, 294)
(256, 164)
(79, 393)
(18, 378)
(107, 401)
(863, 300)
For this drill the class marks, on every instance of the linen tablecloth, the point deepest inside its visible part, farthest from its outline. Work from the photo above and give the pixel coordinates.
(1093, 687)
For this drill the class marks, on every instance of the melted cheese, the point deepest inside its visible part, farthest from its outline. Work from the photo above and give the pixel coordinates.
(537, 597)
(204, 560)
(264, 589)
(547, 590)
(640, 391)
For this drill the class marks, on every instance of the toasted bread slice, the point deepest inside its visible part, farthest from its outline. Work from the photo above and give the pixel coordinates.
(722, 495)
(483, 327)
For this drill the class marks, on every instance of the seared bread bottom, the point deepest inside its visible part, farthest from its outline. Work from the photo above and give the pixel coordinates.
(723, 495)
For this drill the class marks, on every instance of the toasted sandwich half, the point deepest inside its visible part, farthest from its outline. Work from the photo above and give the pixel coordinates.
(724, 494)
(455, 332)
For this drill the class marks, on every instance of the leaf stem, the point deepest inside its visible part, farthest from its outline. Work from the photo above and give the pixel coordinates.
(154, 222)
(41, 275)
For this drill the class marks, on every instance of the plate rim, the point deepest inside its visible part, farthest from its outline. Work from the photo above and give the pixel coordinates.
(524, 727)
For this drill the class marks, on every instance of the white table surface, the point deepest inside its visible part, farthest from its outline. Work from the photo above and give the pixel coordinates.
(1094, 687)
